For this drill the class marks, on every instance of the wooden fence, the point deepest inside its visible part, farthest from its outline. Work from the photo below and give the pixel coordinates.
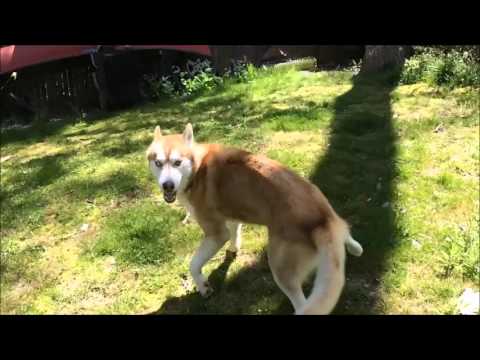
(75, 86)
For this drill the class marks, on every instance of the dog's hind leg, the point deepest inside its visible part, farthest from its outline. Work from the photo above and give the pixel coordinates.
(235, 230)
(330, 277)
(211, 244)
(290, 265)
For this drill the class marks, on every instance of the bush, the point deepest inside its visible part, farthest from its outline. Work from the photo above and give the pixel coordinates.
(355, 67)
(413, 70)
(241, 71)
(199, 76)
(158, 87)
(440, 67)
(459, 252)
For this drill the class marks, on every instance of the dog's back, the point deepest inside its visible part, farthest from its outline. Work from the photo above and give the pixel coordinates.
(255, 189)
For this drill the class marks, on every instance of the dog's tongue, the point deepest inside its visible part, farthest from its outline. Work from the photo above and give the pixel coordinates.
(169, 197)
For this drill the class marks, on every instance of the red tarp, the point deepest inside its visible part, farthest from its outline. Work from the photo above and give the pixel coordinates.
(15, 57)
(198, 49)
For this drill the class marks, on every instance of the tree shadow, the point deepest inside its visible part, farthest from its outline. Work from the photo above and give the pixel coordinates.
(19, 201)
(41, 171)
(40, 130)
(241, 294)
(357, 175)
(117, 184)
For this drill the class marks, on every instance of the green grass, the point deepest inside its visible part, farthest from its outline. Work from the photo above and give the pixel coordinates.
(400, 163)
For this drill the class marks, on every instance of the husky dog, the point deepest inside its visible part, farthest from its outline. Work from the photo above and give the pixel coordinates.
(222, 187)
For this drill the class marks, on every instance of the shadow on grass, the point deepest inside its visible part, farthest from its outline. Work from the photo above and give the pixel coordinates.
(356, 174)
(39, 172)
(124, 147)
(112, 186)
(239, 295)
(41, 129)
(20, 203)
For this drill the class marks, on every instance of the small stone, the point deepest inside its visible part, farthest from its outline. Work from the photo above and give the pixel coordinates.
(439, 128)
(469, 302)
(84, 227)
(416, 244)
(114, 204)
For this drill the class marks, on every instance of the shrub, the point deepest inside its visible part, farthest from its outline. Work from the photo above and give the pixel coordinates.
(459, 252)
(241, 71)
(198, 76)
(440, 67)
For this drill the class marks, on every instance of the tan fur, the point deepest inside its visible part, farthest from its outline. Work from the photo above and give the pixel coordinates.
(167, 143)
(233, 184)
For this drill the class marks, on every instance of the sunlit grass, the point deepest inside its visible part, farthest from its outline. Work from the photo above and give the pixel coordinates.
(412, 150)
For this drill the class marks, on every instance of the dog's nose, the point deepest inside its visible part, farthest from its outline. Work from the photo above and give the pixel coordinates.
(168, 186)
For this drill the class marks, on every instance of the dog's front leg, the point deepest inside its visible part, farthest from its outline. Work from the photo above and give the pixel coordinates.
(235, 229)
(186, 219)
(208, 248)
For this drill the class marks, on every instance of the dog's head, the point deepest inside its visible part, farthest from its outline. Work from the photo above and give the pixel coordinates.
(170, 159)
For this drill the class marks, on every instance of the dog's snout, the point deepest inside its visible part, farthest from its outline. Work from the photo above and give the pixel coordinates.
(168, 186)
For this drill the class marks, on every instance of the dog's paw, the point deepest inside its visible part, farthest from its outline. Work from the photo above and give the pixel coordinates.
(206, 289)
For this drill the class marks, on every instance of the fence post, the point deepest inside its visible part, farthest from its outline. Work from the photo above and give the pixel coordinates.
(100, 78)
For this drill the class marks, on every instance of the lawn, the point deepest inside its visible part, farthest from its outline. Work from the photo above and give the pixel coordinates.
(85, 230)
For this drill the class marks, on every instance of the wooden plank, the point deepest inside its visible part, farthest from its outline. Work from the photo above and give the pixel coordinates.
(100, 80)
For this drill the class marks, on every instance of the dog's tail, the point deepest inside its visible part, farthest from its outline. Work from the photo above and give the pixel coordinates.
(353, 246)
(330, 276)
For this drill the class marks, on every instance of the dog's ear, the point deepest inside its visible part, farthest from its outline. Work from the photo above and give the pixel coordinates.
(188, 135)
(157, 135)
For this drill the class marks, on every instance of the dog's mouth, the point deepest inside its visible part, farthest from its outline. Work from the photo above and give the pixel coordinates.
(169, 196)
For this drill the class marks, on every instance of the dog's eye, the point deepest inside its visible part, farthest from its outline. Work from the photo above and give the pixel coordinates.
(158, 163)
(177, 163)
